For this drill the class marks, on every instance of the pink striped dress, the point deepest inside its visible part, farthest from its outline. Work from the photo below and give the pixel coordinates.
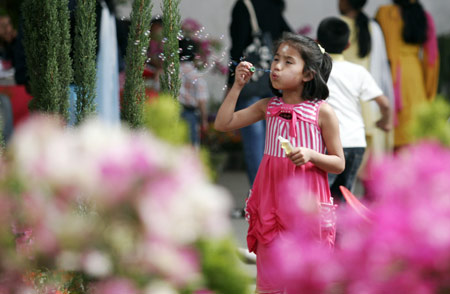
(299, 124)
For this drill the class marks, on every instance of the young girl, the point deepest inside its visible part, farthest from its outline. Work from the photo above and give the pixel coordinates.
(299, 72)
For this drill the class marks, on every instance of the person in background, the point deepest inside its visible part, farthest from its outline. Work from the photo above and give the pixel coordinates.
(412, 50)
(193, 92)
(350, 84)
(7, 38)
(269, 14)
(367, 48)
(155, 51)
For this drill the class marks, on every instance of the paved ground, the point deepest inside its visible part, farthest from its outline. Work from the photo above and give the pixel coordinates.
(236, 182)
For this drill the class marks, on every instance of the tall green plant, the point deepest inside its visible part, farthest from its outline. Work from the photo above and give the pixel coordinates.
(136, 55)
(84, 53)
(170, 80)
(47, 49)
(63, 57)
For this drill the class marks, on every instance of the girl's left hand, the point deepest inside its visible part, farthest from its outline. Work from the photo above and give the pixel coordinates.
(300, 155)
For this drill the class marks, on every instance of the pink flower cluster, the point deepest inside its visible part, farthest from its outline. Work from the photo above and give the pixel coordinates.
(404, 248)
(210, 55)
(110, 203)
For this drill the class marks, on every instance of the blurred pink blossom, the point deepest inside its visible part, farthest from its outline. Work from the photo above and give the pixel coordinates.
(115, 286)
(210, 53)
(304, 30)
(109, 202)
(406, 247)
(190, 24)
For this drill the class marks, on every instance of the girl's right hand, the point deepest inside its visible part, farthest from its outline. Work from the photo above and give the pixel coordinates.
(243, 73)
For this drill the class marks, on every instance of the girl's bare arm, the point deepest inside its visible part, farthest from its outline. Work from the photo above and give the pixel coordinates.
(227, 119)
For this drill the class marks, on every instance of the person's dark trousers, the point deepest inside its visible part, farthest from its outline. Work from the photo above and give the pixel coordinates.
(192, 117)
(353, 159)
(253, 140)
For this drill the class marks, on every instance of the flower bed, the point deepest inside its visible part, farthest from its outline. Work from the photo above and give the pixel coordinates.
(120, 209)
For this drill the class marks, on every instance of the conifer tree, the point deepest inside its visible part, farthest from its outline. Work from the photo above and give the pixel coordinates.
(84, 52)
(170, 80)
(63, 57)
(136, 55)
(47, 49)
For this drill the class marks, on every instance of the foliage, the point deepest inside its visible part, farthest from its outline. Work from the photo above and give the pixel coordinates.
(58, 282)
(210, 52)
(47, 54)
(138, 40)
(219, 270)
(170, 80)
(84, 52)
(433, 122)
(162, 118)
(64, 60)
(122, 210)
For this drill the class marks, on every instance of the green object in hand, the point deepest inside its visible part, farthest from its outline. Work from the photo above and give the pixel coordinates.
(252, 69)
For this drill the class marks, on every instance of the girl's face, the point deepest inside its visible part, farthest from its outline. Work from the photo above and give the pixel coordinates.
(287, 69)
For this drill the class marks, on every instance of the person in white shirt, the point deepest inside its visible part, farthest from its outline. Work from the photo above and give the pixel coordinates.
(349, 85)
(193, 92)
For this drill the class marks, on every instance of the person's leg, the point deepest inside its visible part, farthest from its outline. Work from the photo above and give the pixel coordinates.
(332, 178)
(253, 140)
(6, 119)
(335, 181)
(192, 120)
(353, 159)
(195, 136)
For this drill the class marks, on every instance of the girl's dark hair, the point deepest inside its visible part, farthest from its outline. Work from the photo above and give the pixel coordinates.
(362, 24)
(415, 27)
(317, 63)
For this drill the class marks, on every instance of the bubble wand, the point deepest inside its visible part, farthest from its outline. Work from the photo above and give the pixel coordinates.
(253, 69)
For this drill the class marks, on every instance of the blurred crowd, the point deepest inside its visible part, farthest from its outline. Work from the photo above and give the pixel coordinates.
(369, 40)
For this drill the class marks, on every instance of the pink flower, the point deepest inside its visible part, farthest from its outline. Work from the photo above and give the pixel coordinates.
(115, 286)
(190, 25)
(5, 209)
(109, 202)
(406, 247)
(176, 264)
(304, 30)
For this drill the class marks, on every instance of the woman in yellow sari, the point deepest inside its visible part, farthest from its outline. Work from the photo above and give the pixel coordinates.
(410, 37)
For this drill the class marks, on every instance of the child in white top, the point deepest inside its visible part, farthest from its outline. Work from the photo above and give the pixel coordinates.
(349, 85)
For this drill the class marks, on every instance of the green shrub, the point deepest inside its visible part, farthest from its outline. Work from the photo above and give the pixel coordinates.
(433, 122)
(162, 117)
